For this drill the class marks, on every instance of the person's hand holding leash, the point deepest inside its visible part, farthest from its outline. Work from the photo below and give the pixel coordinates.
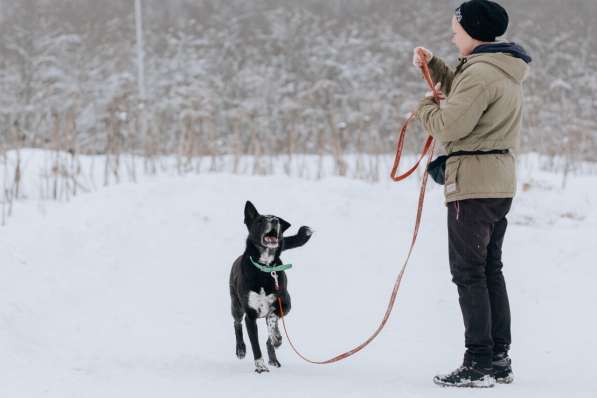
(442, 96)
(417, 61)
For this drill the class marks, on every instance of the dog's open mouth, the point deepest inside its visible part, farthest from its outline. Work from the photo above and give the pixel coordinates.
(270, 239)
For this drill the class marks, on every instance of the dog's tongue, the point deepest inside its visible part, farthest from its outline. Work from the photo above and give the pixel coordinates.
(271, 239)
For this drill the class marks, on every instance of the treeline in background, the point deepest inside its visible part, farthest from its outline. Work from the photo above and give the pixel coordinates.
(227, 79)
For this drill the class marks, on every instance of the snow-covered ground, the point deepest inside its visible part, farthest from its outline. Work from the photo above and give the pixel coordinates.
(123, 292)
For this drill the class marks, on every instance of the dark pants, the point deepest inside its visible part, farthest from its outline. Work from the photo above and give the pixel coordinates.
(476, 229)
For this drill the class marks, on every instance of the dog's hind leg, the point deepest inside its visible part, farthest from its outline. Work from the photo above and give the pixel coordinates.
(251, 323)
(241, 348)
(237, 314)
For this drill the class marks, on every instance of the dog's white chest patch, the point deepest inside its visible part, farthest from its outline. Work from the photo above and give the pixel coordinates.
(267, 257)
(261, 302)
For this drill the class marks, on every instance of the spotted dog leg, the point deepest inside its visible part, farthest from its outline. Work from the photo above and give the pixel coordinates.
(275, 339)
(271, 353)
(273, 331)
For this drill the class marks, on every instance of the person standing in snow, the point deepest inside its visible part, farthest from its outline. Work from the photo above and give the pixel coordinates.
(478, 122)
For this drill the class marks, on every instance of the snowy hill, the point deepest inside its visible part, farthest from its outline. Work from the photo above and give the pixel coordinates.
(123, 292)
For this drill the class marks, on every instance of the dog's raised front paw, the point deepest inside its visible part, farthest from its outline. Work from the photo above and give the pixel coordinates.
(260, 366)
(241, 351)
(305, 232)
(275, 363)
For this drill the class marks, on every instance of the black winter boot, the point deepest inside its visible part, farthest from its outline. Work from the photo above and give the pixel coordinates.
(502, 367)
(468, 375)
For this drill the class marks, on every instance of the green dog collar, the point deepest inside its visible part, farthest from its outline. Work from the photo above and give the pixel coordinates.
(265, 268)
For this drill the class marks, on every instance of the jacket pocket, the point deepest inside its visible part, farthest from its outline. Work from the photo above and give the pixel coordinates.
(452, 167)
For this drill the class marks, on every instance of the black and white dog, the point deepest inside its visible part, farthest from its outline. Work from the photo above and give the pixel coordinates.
(252, 289)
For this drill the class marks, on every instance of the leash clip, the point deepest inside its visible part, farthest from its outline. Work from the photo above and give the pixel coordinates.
(274, 275)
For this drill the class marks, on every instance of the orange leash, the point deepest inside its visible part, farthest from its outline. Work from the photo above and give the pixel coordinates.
(429, 144)
(401, 139)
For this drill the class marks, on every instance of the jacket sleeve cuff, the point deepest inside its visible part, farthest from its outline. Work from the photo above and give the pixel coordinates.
(425, 102)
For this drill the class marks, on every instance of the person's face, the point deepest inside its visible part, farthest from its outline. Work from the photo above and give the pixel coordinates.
(461, 39)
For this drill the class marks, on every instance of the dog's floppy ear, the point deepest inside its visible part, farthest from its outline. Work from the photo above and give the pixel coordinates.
(284, 225)
(250, 213)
